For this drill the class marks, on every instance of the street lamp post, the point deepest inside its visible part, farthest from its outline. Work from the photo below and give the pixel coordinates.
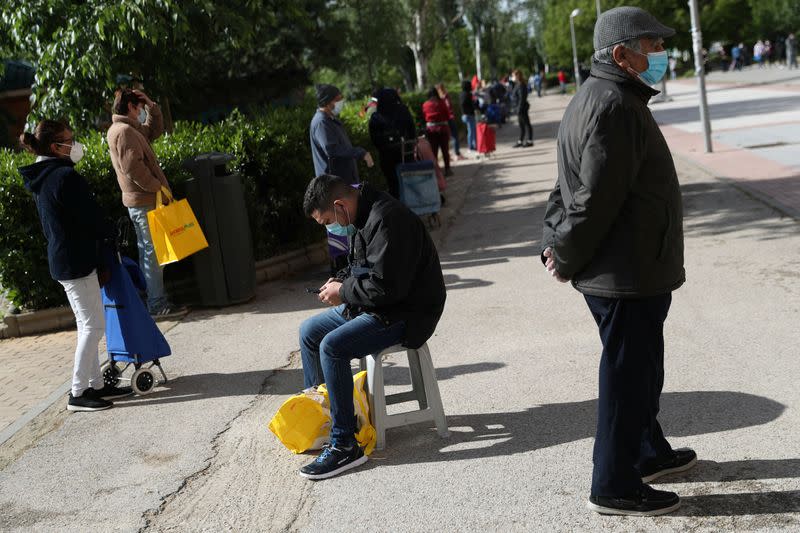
(699, 69)
(598, 8)
(575, 13)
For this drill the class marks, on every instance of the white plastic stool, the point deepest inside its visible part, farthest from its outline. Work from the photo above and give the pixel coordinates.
(425, 391)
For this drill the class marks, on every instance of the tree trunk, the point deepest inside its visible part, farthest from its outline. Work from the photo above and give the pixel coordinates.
(166, 112)
(421, 64)
(420, 54)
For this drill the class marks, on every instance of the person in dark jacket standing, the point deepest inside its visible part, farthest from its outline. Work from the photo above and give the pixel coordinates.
(451, 122)
(389, 126)
(392, 292)
(520, 98)
(468, 115)
(614, 227)
(76, 233)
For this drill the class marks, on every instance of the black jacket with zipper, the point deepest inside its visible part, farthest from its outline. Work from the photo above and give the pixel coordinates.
(74, 225)
(394, 271)
(615, 217)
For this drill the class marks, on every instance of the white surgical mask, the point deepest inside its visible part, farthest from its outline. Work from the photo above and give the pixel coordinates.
(337, 107)
(76, 152)
(142, 115)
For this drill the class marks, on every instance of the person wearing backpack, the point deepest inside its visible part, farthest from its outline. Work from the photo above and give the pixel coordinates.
(389, 125)
(78, 237)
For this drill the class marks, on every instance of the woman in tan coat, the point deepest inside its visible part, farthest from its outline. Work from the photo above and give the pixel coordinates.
(136, 123)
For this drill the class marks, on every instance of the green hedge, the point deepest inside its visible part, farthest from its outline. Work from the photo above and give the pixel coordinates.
(271, 151)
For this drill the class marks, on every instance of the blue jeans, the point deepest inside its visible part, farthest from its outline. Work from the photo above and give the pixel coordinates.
(454, 135)
(472, 139)
(328, 341)
(148, 262)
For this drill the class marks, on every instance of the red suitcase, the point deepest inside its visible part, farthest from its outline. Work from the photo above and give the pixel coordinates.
(486, 138)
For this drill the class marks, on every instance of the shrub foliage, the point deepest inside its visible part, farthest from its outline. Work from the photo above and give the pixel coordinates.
(271, 152)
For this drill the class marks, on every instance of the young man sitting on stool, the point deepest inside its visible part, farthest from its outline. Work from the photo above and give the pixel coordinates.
(392, 292)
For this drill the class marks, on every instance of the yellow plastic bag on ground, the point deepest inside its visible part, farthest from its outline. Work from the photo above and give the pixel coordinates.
(174, 229)
(303, 422)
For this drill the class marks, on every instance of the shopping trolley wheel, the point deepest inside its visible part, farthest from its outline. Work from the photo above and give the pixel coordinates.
(143, 381)
(111, 373)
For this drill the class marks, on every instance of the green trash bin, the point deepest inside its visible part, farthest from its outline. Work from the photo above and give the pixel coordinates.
(225, 271)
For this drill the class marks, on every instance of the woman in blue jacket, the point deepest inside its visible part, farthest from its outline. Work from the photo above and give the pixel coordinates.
(76, 232)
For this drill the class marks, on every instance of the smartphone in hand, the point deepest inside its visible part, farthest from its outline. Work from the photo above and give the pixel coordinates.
(312, 291)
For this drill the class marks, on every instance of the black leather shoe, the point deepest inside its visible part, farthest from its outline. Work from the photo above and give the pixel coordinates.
(646, 502)
(682, 459)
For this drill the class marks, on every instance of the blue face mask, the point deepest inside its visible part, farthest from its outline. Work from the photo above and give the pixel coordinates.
(338, 229)
(657, 67)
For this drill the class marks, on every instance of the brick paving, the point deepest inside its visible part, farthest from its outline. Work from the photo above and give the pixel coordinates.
(32, 368)
(754, 135)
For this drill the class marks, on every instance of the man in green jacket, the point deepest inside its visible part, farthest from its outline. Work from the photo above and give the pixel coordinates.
(614, 227)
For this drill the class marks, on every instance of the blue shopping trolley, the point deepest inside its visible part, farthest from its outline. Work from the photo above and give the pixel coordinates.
(132, 337)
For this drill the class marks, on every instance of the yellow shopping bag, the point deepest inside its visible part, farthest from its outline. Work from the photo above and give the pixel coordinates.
(174, 229)
(303, 422)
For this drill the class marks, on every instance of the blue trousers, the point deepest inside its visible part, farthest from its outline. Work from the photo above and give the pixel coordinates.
(472, 141)
(148, 262)
(631, 379)
(328, 342)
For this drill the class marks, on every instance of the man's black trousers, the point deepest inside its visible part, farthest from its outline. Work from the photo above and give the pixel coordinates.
(631, 378)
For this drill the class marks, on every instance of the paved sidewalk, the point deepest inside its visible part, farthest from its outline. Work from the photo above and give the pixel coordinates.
(755, 136)
(516, 356)
(752, 75)
(32, 368)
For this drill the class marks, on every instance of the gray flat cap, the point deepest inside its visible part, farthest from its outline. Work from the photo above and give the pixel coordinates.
(623, 23)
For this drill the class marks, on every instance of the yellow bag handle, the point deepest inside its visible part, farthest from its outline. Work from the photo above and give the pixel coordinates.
(166, 193)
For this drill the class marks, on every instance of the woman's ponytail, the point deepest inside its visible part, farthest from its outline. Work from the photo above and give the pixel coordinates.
(47, 132)
(29, 142)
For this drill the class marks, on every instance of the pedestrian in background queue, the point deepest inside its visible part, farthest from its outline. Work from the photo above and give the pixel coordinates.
(537, 84)
(333, 153)
(520, 98)
(468, 114)
(791, 51)
(135, 124)
(437, 128)
(562, 81)
(78, 240)
(451, 121)
(389, 126)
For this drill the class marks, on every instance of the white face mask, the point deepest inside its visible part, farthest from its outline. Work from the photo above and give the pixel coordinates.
(76, 152)
(142, 115)
(337, 107)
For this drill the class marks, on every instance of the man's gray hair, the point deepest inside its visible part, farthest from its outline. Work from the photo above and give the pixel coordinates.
(606, 55)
